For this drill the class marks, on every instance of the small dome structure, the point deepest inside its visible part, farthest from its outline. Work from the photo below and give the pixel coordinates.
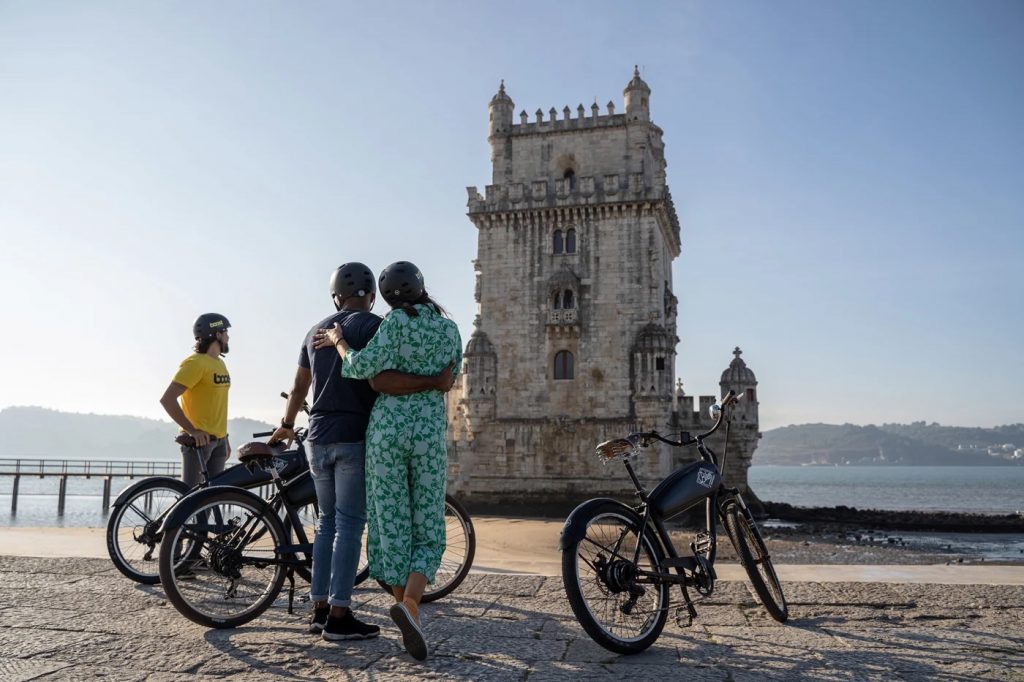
(637, 83)
(653, 338)
(502, 96)
(738, 374)
(479, 344)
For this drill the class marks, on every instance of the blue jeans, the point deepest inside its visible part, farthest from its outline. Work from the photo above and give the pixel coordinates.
(338, 474)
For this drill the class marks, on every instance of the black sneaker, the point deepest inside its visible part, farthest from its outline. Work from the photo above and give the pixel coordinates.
(348, 627)
(318, 619)
(412, 636)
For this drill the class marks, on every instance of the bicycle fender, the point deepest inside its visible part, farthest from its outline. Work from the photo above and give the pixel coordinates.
(124, 495)
(576, 525)
(185, 507)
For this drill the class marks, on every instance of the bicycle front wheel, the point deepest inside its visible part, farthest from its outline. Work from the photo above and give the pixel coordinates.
(237, 573)
(620, 609)
(133, 537)
(753, 556)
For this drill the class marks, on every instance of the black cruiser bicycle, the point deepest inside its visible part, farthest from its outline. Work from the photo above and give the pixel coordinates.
(619, 562)
(133, 529)
(247, 546)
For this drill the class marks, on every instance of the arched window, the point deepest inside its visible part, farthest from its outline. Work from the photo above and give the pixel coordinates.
(570, 175)
(558, 300)
(570, 241)
(751, 395)
(567, 301)
(563, 365)
(557, 241)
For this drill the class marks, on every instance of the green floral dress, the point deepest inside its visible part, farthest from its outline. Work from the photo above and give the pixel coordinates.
(406, 455)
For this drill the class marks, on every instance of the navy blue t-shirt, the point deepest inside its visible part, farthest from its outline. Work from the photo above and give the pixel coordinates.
(341, 407)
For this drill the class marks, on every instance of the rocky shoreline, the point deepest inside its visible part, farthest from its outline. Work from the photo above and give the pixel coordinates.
(944, 522)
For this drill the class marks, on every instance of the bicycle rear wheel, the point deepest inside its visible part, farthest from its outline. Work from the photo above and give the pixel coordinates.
(457, 560)
(133, 538)
(459, 550)
(754, 558)
(237, 574)
(620, 610)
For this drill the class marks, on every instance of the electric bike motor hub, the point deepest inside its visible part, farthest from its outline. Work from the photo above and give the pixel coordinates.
(618, 576)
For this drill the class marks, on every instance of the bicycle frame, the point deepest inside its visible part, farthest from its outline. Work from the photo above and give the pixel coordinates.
(697, 569)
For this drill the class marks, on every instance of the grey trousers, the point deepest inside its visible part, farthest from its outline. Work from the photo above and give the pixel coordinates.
(214, 454)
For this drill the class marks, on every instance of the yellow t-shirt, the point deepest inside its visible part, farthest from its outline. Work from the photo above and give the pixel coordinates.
(205, 400)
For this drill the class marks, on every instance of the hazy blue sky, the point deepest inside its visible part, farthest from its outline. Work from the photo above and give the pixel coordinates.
(849, 176)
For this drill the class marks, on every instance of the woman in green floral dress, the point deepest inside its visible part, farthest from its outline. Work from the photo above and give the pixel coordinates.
(406, 456)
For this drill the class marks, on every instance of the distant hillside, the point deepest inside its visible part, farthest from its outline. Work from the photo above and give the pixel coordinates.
(36, 432)
(911, 444)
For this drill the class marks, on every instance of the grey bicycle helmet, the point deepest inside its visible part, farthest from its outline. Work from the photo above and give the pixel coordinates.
(352, 279)
(208, 324)
(401, 282)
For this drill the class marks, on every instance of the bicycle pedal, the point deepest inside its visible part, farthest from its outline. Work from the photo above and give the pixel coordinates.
(684, 617)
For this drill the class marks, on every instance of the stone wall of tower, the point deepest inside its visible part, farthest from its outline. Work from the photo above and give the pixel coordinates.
(615, 297)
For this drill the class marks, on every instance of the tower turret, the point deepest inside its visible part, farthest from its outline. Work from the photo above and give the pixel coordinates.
(501, 109)
(738, 377)
(637, 97)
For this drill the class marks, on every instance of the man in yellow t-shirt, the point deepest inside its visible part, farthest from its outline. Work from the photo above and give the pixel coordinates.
(202, 383)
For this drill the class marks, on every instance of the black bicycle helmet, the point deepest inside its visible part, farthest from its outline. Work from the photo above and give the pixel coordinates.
(352, 279)
(208, 324)
(401, 282)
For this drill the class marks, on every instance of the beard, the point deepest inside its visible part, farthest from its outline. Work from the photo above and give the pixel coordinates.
(223, 347)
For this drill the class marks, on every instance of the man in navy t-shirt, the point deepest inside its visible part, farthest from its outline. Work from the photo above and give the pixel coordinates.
(338, 416)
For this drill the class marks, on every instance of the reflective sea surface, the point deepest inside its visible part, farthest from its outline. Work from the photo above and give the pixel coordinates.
(993, 490)
(990, 490)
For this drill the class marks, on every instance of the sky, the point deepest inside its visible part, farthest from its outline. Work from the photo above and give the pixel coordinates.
(849, 177)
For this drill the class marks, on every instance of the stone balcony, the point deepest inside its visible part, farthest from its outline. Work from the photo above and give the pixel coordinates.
(563, 317)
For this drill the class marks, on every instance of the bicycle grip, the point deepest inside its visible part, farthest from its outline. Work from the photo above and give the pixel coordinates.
(263, 434)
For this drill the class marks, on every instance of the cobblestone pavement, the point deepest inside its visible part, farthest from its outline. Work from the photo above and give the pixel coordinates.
(78, 619)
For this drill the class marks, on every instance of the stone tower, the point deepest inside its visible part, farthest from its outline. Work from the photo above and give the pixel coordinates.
(575, 335)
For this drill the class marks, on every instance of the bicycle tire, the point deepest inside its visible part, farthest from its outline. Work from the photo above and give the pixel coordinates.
(754, 557)
(182, 593)
(454, 567)
(122, 547)
(617, 517)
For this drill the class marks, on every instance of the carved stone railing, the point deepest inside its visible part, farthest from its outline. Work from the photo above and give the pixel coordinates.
(565, 316)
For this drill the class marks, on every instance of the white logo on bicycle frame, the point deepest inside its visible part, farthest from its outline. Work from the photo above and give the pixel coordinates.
(705, 477)
(280, 463)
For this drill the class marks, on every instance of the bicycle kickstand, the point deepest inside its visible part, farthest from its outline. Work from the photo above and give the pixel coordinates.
(291, 590)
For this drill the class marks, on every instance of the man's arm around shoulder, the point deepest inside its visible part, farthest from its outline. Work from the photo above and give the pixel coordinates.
(392, 382)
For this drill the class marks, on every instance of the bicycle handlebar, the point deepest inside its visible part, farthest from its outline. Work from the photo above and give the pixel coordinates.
(305, 405)
(731, 398)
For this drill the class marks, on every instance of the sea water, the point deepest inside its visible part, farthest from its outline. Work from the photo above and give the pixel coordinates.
(988, 490)
(974, 489)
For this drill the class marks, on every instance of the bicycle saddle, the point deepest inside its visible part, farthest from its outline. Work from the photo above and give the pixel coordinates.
(258, 452)
(186, 440)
